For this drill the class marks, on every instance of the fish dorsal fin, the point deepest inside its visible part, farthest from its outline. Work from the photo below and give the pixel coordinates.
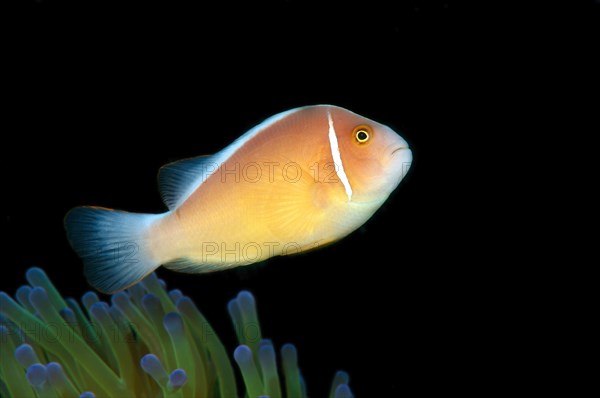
(178, 180)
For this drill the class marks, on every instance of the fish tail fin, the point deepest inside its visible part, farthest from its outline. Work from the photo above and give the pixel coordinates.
(114, 246)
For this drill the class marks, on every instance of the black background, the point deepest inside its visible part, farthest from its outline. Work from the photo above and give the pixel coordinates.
(101, 96)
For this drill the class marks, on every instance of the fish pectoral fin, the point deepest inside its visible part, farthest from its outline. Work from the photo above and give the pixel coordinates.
(178, 180)
(296, 208)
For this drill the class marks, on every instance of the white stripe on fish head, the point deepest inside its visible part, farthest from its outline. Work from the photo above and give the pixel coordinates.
(337, 159)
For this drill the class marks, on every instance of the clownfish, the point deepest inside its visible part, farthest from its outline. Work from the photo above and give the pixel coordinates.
(299, 180)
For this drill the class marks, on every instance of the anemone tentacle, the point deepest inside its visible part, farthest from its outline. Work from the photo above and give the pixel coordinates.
(146, 342)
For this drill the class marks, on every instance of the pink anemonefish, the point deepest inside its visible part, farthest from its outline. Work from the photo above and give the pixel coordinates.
(299, 180)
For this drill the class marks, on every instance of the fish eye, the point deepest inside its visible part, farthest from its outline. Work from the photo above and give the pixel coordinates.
(361, 135)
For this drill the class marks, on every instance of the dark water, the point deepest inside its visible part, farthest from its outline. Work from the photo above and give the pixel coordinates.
(102, 98)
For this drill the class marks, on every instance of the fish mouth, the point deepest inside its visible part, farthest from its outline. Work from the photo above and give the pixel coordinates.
(399, 149)
(402, 158)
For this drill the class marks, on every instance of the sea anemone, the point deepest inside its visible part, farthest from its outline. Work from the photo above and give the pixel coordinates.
(146, 343)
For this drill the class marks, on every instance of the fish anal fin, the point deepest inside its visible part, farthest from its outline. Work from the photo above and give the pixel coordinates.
(191, 266)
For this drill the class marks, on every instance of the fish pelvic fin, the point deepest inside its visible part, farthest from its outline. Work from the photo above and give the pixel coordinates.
(114, 246)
